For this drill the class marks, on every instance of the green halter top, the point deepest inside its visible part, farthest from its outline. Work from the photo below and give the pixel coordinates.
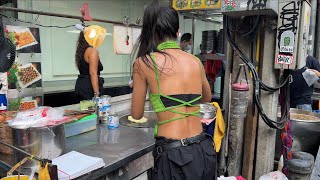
(155, 98)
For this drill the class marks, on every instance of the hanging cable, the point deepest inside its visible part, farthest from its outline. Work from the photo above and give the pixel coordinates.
(40, 25)
(257, 82)
(251, 66)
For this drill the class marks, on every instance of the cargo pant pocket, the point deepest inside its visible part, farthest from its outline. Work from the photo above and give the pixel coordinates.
(179, 163)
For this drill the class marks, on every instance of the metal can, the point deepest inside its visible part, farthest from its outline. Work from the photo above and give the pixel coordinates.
(113, 121)
(105, 105)
(104, 120)
(97, 101)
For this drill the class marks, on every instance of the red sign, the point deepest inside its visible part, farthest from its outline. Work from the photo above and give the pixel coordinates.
(284, 59)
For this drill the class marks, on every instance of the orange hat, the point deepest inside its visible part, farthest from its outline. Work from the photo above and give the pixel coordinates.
(94, 35)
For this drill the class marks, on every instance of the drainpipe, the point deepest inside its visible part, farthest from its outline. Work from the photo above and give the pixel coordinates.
(312, 35)
(193, 34)
(317, 43)
(29, 5)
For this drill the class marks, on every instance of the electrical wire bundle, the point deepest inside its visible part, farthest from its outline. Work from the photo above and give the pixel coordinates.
(257, 82)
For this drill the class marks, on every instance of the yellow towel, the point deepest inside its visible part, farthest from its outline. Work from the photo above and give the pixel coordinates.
(43, 173)
(219, 128)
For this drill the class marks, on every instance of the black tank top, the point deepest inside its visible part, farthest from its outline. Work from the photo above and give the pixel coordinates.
(84, 67)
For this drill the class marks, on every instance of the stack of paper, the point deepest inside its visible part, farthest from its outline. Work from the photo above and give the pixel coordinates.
(75, 164)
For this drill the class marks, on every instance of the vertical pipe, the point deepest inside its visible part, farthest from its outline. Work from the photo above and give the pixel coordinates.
(318, 33)
(312, 27)
(1, 28)
(225, 102)
(265, 139)
(193, 34)
(29, 5)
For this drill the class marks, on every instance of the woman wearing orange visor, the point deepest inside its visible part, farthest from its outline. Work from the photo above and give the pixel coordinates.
(89, 83)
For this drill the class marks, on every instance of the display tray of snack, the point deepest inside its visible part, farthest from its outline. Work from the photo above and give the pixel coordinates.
(24, 38)
(26, 105)
(27, 75)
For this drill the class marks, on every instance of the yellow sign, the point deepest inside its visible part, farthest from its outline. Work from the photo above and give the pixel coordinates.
(195, 4)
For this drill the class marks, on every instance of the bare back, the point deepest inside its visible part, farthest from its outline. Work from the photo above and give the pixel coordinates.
(180, 73)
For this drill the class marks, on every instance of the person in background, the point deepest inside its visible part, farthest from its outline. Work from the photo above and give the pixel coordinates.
(300, 91)
(186, 42)
(89, 83)
(178, 85)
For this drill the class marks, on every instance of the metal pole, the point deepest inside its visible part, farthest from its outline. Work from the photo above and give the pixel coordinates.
(61, 15)
(1, 28)
(317, 43)
(312, 28)
(266, 137)
(225, 103)
(193, 33)
(20, 150)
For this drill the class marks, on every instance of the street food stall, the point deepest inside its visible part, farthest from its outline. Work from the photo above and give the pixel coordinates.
(40, 121)
(68, 131)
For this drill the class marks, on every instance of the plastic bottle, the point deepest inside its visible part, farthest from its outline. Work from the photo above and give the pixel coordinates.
(239, 95)
(238, 113)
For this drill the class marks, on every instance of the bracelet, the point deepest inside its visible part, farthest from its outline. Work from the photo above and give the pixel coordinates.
(96, 93)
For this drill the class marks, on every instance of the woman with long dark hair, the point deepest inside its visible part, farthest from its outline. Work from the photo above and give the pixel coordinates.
(89, 83)
(177, 85)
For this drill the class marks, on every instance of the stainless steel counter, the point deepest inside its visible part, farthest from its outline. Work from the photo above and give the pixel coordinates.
(125, 147)
(117, 147)
(50, 87)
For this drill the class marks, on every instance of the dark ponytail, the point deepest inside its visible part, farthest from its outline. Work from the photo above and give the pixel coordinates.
(160, 23)
(82, 46)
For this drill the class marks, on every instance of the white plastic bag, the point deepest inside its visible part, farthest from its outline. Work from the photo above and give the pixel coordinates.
(227, 178)
(310, 77)
(276, 175)
(38, 117)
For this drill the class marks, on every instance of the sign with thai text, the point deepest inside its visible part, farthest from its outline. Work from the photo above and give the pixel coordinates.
(195, 4)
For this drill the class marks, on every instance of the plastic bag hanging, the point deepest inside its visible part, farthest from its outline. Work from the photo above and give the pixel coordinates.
(94, 35)
(239, 93)
(241, 81)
